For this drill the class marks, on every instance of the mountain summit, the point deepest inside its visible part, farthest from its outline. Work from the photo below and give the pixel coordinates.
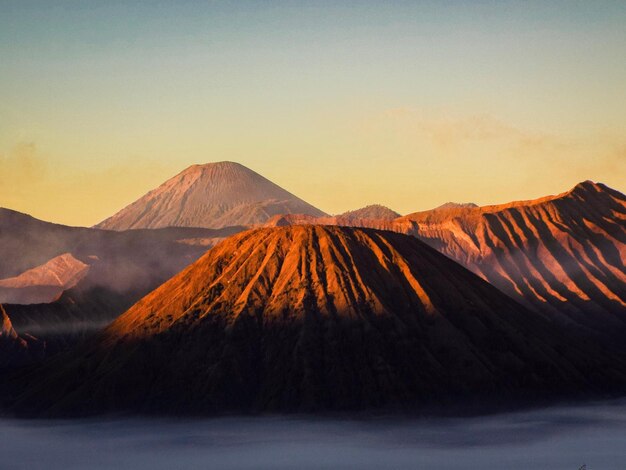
(371, 212)
(213, 195)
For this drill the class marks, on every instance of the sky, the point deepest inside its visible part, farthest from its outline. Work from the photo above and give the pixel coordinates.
(404, 103)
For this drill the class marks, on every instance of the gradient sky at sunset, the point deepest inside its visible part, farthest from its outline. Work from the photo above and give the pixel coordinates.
(408, 104)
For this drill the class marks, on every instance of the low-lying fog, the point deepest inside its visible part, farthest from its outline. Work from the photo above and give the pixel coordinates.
(551, 439)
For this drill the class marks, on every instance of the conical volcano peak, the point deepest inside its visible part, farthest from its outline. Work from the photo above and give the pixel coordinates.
(225, 168)
(222, 164)
(301, 269)
(212, 195)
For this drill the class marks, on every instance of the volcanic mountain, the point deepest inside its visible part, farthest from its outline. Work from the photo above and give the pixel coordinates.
(213, 195)
(563, 255)
(318, 317)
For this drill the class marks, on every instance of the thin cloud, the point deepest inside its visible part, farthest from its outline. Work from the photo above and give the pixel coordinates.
(481, 135)
(20, 169)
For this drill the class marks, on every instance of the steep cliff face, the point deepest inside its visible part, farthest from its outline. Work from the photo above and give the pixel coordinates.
(564, 255)
(317, 317)
(213, 195)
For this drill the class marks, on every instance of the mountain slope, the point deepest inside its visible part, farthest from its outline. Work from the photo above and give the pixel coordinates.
(213, 195)
(44, 283)
(563, 255)
(311, 317)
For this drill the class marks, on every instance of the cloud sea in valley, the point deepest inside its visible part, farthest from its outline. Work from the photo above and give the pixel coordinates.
(558, 438)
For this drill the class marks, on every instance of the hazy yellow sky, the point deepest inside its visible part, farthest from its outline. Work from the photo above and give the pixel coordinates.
(410, 104)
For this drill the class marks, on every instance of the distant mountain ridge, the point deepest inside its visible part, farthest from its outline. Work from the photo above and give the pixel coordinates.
(373, 211)
(44, 283)
(373, 216)
(456, 205)
(213, 195)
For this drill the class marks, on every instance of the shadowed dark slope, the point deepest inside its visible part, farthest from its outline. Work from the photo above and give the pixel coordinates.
(317, 317)
(16, 350)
